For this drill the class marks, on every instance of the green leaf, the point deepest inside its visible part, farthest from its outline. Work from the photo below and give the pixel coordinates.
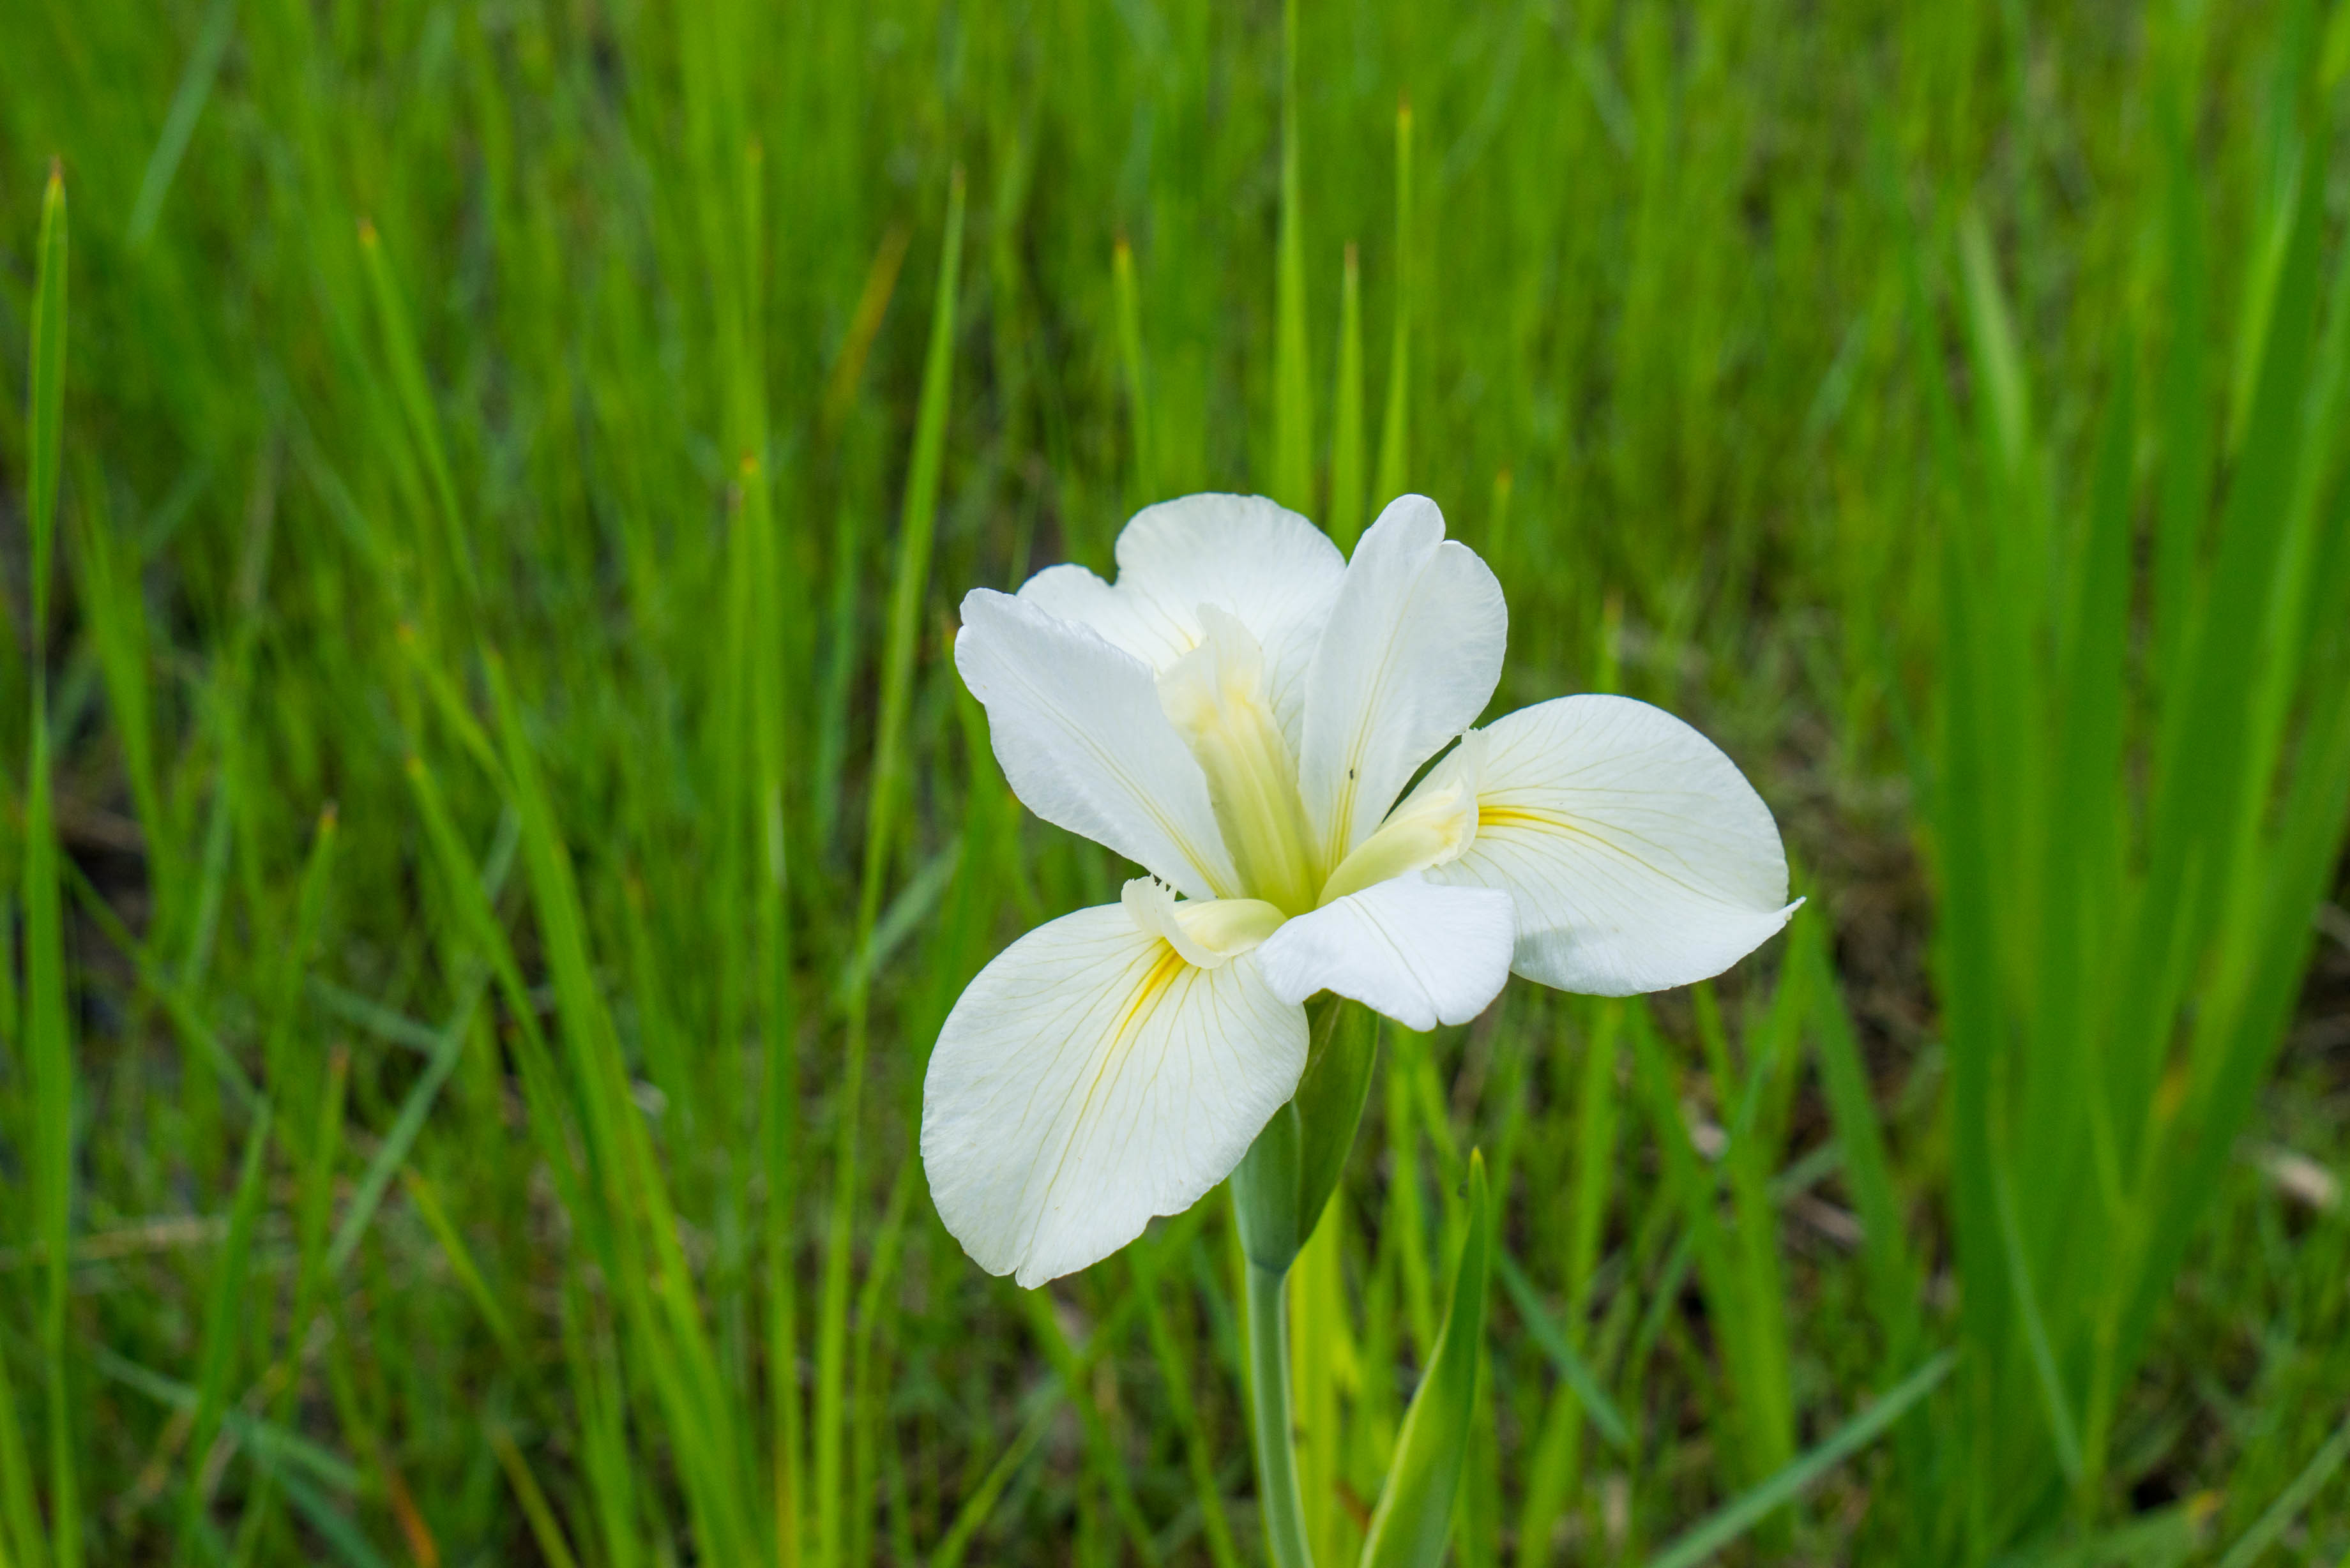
(1411, 1523)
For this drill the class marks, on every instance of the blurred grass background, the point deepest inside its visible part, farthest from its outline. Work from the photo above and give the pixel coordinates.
(496, 830)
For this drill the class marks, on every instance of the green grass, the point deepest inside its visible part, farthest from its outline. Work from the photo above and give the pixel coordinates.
(496, 830)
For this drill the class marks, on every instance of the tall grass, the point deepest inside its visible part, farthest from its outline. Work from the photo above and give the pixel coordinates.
(2128, 841)
(498, 828)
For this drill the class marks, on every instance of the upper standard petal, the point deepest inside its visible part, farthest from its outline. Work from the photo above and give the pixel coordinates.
(1638, 857)
(1085, 744)
(1408, 660)
(1090, 1078)
(1251, 557)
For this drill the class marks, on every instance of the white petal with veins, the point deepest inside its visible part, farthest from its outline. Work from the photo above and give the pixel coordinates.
(1089, 1079)
(1420, 953)
(1412, 653)
(1252, 558)
(1084, 743)
(1638, 855)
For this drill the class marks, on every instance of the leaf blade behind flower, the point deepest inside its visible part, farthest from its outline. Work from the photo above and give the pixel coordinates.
(1412, 1523)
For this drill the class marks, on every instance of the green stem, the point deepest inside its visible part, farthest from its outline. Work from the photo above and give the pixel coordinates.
(1276, 1459)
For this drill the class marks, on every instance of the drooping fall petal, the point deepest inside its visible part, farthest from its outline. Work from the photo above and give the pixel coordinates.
(1090, 1078)
(1638, 855)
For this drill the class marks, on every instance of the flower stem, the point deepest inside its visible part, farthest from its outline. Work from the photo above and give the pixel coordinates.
(1276, 1459)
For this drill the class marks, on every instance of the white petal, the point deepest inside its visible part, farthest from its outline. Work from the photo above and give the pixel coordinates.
(1264, 564)
(1084, 743)
(1089, 1079)
(1639, 857)
(1420, 953)
(1411, 655)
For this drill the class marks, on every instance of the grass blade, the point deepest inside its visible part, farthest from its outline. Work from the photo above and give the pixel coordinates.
(1130, 356)
(1412, 1523)
(1175, 1376)
(426, 1198)
(972, 1516)
(392, 1155)
(44, 433)
(20, 1516)
(268, 1442)
(223, 1321)
(1291, 481)
(180, 123)
(1742, 1512)
(910, 582)
(2279, 1514)
(544, 1528)
(1347, 456)
(414, 391)
(630, 1201)
(1893, 1279)
(48, 1031)
(1395, 428)
(333, 1526)
(1572, 1368)
(111, 599)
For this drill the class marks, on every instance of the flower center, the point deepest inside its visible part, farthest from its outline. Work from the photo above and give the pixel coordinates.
(1430, 829)
(1215, 697)
(1205, 933)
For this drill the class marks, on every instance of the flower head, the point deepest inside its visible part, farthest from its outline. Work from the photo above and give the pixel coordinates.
(1240, 713)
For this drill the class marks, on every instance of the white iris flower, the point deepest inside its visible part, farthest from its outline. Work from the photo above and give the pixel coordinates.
(1239, 714)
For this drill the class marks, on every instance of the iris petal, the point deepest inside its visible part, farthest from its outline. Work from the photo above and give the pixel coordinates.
(1638, 855)
(1249, 556)
(1089, 1079)
(1411, 655)
(1084, 743)
(1420, 953)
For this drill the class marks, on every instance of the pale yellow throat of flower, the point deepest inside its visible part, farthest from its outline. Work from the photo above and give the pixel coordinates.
(1215, 696)
(1434, 826)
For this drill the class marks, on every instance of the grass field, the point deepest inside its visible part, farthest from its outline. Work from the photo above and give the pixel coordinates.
(494, 832)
